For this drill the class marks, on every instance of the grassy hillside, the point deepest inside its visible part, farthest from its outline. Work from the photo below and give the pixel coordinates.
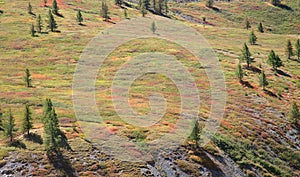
(255, 131)
(276, 19)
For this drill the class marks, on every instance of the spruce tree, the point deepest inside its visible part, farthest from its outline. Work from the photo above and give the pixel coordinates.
(146, 4)
(45, 3)
(247, 24)
(55, 7)
(209, 3)
(79, 17)
(104, 11)
(52, 132)
(9, 126)
(263, 80)
(239, 73)
(274, 60)
(39, 24)
(27, 121)
(246, 55)
(32, 30)
(118, 2)
(294, 114)
(153, 27)
(166, 7)
(1, 120)
(297, 47)
(275, 2)
(252, 38)
(260, 27)
(289, 49)
(47, 107)
(195, 132)
(29, 8)
(125, 13)
(160, 6)
(51, 22)
(27, 78)
(143, 10)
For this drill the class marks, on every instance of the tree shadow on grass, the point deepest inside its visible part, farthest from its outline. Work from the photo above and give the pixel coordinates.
(283, 6)
(280, 72)
(247, 84)
(34, 138)
(59, 15)
(254, 69)
(64, 141)
(18, 144)
(61, 163)
(268, 92)
(215, 9)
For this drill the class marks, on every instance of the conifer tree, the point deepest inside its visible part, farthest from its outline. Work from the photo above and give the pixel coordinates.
(247, 24)
(297, 47)
(143, 10)
(125, 13)
(27, 78)
(39, 24)
(27, 121)
(166, 7)
(239, 73)
(209, 3)
(260, 27)
(29, 8)
(52, 132)
(275, 2)
(289, 49)
(195, 132)
(1, 120)
(146, 4)
(45, 3)
(47, 107)
(246, 55)
(9, 126)
(32, 30)
(263, 80)
(294, 114)
(252, 38)
(79, 17)
(118, 2)
(104, 11)
(274, 60)
(153, 27)
(55, 7)
(51, 22)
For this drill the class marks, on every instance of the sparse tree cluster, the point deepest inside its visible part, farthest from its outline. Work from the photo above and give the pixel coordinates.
(274, 60)
(246, 55)
(290, 52)
(51, 22)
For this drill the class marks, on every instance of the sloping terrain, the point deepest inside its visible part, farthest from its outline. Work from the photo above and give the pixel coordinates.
(255, 137)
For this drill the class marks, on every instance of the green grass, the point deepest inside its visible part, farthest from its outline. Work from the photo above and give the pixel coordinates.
(52, 59)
